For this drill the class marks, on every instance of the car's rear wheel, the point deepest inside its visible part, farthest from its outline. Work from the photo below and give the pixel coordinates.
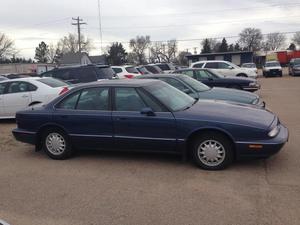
(212, 151)
(56, 144)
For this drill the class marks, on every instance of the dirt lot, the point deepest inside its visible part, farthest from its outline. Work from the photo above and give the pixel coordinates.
(115, 188)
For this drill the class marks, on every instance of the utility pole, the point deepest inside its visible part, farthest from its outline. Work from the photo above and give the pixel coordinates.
(78, 24)
(100, 25)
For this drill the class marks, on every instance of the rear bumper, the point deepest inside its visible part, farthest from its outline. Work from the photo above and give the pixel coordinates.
(24, 136)
(268, 147)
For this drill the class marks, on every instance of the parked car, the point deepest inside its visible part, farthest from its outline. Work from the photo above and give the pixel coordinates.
(15, 75)
(294, 67)
(3, 78)
(125, 72)
(106, 71)
(225, 67)
(18, 94)
(153, 69)
(250, 66)
(77, 74)
(199, 90)
(143, 70)
(272, 68)
(166, 67)
(150, 115)
(215, 79)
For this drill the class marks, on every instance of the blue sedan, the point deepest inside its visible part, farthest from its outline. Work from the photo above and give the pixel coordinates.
(150, 115)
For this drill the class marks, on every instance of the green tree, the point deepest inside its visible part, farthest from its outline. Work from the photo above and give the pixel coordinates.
(231, 48)
(206, 46)
(224, 46)
(117, 54)
(42, 53)
(237, 47)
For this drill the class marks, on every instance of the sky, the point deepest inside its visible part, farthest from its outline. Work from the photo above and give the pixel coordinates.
(32, 21)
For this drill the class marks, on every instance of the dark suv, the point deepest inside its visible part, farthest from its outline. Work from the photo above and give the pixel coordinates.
(80, 74)
(294, 67)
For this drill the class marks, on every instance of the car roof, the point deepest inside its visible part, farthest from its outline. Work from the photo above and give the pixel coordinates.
(22, 79)
(274, 61)
(206, 61)
(120, 82)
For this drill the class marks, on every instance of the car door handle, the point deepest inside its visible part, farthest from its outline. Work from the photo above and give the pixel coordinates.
(25, 96)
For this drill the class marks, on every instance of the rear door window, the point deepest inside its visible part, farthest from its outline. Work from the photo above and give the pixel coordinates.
(93, 99)
(117, 70)
(16, 87)
(2, 88)
(212, 65)
(131, 70)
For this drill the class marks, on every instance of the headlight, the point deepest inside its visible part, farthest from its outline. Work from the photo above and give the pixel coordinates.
(274, 131)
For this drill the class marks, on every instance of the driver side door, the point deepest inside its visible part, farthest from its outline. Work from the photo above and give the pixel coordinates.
(135, 130)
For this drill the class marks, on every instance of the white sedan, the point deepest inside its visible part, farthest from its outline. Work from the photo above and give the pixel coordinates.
(124, 72)
(18, 94)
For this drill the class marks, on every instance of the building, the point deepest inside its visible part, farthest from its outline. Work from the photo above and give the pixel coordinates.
(25, 68)
(98, 59)
(237, 58)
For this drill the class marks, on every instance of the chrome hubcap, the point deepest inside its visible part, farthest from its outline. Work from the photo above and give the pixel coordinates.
(55, 143)
(211, 153)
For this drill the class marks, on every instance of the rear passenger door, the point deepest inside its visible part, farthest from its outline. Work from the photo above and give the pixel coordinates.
(17, 97)
(136, 131)
(86, 116)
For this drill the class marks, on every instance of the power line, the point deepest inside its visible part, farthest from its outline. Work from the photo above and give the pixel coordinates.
(78, 24)
(185, 25)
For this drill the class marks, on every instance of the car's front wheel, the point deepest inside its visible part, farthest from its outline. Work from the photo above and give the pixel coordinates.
(56, 144)
(212, 151)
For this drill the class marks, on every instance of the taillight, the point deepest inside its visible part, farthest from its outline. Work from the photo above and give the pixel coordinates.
(64, 90)
(128, 76)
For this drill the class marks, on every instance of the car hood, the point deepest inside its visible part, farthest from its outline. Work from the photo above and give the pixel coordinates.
(227, 94)
(223, 112)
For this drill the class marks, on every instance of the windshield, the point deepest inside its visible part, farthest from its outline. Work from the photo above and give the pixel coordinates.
(105, 73)
(174, 99)
(196, 85)
(52, 82)
(272, 64)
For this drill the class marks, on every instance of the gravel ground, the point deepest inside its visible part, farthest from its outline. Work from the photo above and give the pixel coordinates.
(123, 188)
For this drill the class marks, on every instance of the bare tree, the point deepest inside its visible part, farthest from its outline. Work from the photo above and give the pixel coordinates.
(139, 46)
(69, 44)
(182, 59)
(274, 41)
(52, 53)
(164, 52)
(296, 38)
(7, 47)
(251, 39)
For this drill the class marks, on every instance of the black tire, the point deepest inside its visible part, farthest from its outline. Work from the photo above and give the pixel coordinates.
(220, 140)
(65, 153)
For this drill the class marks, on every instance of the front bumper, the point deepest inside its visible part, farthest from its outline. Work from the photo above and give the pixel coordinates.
(273, 73)
(24, 136)
(268, 148)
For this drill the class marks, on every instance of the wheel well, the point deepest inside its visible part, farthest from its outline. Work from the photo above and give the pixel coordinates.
(40, 132)
(33, 103)
(198, 133)
(241, 75)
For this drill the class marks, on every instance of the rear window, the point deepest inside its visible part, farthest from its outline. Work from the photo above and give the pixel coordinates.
(164, 66)
(105, 73)
(132, 70)
(52, 82)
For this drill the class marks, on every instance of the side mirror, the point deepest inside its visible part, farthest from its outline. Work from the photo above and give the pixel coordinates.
(147, 112)
(230, 67)
(210, 79)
